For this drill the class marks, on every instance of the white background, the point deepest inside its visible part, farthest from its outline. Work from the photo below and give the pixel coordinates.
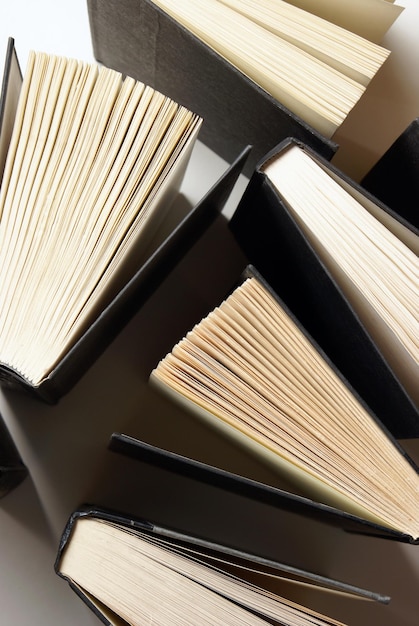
(61, 445)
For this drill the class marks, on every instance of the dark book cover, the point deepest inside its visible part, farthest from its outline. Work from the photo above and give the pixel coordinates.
(394, 179)
(9, 96)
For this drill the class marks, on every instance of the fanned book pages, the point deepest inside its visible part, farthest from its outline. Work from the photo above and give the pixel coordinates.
(249, 370)
(372, 257)
(314, 68)
(93, 164)
(132, 572)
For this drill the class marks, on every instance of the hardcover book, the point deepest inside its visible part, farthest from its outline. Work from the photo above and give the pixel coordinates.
(162, 574)
(316, 69)
(94, 163)
(250, 370)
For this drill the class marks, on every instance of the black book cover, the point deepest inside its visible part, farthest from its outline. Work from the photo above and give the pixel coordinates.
(394, 178)
(253, 490)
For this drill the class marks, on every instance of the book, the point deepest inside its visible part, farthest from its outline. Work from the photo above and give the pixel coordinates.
(143, 41)
(394, 177)
(251, 371)
(129, 570)
(100, 185)
(311, 71)
(12, 469)
(321, 293)
(92, 165)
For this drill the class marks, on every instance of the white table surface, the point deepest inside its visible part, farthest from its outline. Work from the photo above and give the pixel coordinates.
(62, 461)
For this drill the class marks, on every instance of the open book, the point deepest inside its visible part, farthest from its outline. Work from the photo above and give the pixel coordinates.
(93, 164)
(250, 370)
(318, 70)
(131, 571)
